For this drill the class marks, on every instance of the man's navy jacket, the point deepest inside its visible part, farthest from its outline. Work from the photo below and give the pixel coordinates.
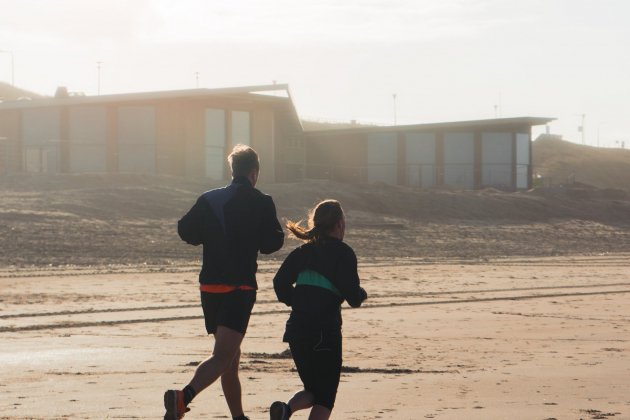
(233, 223)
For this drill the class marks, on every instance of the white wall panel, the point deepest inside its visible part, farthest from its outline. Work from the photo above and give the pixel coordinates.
(523, 160)
(41, 136)
(459, 159)
(382, 158)
(41, 126)
(420, 159)
(136, 139)
(88, 139)
(496, 159)
(521, 176)
(522, 149)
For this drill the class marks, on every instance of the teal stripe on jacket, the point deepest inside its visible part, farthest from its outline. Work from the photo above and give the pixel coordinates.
(313, 278)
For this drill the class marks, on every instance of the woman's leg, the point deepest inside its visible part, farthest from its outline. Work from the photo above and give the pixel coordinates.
(301, 351)
(318, 363)
(301, 400)
(319, 412)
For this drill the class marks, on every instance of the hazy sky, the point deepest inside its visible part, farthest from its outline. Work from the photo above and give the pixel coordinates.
(446, 60)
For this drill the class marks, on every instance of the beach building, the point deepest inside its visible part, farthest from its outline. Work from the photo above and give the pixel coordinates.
(463, 154)
(185, 133)
(190, 132)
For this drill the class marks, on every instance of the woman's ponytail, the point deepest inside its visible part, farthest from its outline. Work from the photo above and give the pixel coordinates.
(301, 233)
(322, 219)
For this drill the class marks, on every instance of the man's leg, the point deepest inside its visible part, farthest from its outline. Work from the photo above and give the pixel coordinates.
(232, 386)
(227, 343)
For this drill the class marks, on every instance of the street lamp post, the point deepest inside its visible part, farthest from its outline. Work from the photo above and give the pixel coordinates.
(12, 66)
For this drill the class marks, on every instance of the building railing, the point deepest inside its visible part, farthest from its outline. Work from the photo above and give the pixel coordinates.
(418, 175)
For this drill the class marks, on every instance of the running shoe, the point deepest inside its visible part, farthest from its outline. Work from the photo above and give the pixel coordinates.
(174, 404)
(279, 411)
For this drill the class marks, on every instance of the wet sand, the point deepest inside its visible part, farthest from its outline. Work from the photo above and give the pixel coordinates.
(506, 338)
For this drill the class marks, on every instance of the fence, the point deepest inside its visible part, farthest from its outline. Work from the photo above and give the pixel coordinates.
(465, 176)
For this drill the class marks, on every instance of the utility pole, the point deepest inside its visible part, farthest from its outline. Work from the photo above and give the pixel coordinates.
(598, 131)
(499, 104)
(197, 79)
(394, 96)
(98, 70)
(581, 128)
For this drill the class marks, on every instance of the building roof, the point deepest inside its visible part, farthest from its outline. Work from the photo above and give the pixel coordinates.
(496, 122)
(259, 93)
(255, 93)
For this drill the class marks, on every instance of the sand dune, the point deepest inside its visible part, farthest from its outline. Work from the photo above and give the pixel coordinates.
(132, 219)
(561, 162)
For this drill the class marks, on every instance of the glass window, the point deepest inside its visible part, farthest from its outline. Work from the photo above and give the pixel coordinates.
(215, 143)
(240, 128)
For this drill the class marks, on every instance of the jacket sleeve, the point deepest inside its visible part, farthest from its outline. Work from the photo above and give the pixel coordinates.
(271, 235)
(190, 227)
(285, 278)
(349, 284)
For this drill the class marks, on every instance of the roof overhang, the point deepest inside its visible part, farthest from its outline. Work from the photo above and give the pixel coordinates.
(455, 125)
(260, 93)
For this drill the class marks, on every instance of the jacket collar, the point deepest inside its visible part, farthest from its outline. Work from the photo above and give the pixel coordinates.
(241, 180)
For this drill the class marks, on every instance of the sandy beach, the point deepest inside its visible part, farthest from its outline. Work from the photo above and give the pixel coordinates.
(508, 338)
(483, 304)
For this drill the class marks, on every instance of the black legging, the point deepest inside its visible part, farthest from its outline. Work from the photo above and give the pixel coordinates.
(318, 361)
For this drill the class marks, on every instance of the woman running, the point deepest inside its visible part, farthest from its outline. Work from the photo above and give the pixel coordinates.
(324, 272)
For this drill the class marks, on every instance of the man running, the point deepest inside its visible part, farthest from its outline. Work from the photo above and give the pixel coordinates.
(233, 223)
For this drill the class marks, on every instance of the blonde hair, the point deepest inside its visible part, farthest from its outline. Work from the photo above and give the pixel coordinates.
(242, 160)
(321, 220)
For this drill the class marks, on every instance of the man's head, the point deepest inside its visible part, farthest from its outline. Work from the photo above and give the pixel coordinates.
(244, 162)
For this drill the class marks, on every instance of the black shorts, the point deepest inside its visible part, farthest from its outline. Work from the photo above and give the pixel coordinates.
(231, 310)
(318, 361)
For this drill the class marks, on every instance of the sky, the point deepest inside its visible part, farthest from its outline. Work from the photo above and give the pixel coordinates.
(374, 61)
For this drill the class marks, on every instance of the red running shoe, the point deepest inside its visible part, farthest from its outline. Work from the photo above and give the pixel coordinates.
(174, 404)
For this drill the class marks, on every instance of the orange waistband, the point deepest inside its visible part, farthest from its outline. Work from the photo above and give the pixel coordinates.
(222, 288)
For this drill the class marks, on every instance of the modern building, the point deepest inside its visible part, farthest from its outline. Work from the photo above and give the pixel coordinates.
(186, 133)
(190, 132)
(465, 154)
